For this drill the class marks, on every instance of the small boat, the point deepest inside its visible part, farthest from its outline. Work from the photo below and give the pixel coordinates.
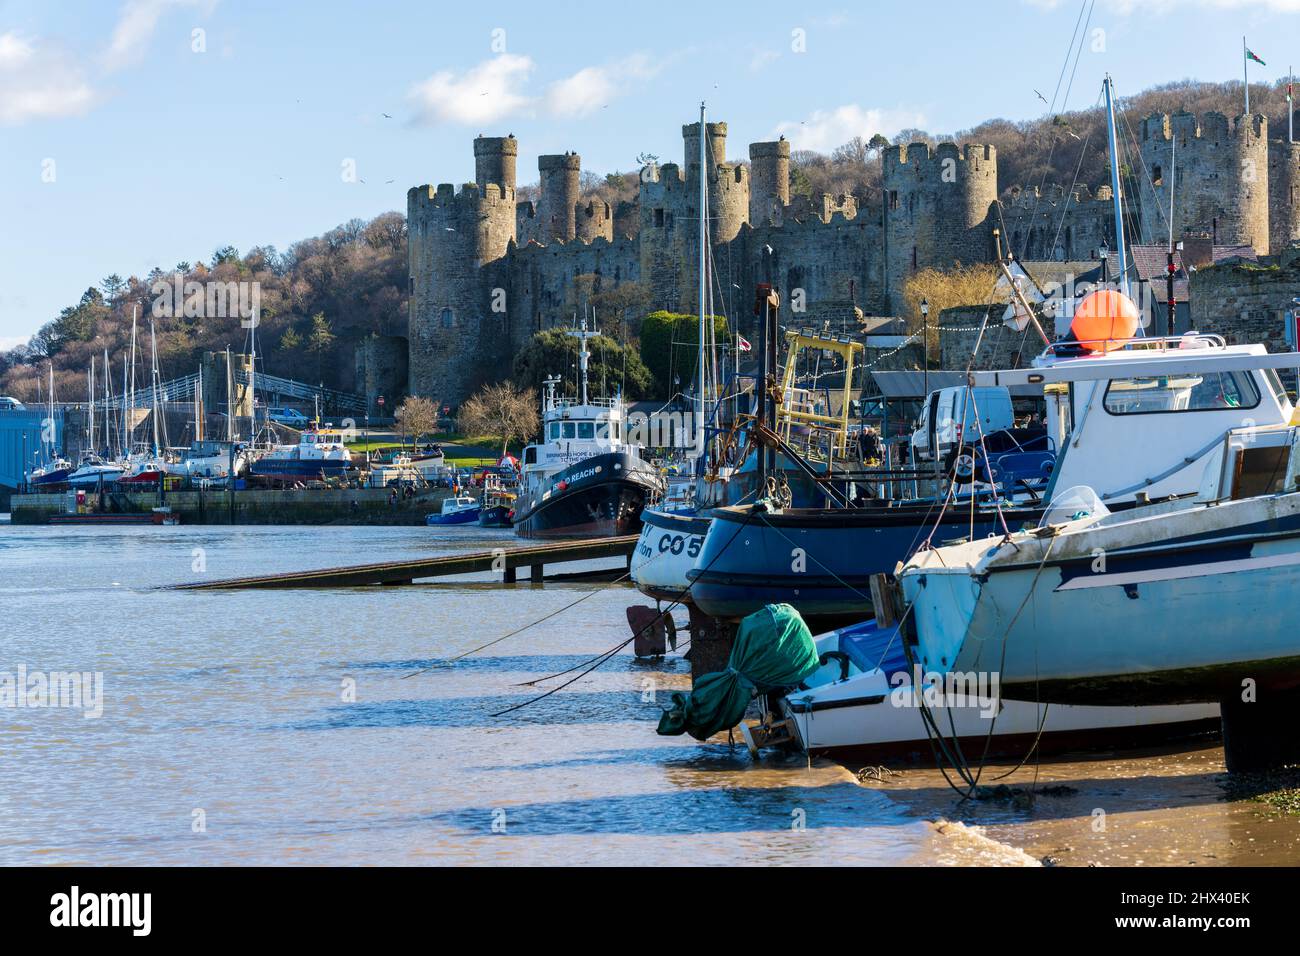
(498, 505)
(400, 470)
(55, 472)
(863, 704)
(460, 509)
(94, 471)
(319, 454)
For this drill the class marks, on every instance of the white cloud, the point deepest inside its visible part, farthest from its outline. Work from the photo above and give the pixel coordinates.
(487, 92)
(135, 28)
(39, 82)
(587, 90)
(592, 87)
(823, 130)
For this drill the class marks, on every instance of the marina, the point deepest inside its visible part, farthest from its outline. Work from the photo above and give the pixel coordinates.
(661, 440)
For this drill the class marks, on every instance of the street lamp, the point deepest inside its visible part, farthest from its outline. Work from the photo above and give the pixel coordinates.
(925, 334)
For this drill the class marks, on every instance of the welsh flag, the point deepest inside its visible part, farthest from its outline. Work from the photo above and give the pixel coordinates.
(743, 343)
(1250, 55)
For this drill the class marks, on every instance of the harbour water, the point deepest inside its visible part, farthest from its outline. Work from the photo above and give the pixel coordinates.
(277, 727)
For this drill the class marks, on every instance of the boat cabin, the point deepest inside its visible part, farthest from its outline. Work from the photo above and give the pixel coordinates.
(1142, 419)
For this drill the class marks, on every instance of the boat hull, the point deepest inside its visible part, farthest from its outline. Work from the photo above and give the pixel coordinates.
(497, 516)
(875, 712)
(666, 552)
(602, 496)
(818, 560)
(468, 516)
(307, 469)
(1128, 611)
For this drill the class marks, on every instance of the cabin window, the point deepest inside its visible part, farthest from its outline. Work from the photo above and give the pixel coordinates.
(1205, 392)
(555, 431)
(602, 430)
(530, 455)
(570, 429)
(586, 430)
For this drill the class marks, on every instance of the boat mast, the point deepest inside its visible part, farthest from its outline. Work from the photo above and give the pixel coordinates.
(135, 312)
(704, 239)
(1112, 140)
(230, 399)
(53, 446)
(153, 349)
(90, 404)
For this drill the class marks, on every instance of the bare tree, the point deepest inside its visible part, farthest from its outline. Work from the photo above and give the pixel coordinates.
(416, 417)
(502, 411)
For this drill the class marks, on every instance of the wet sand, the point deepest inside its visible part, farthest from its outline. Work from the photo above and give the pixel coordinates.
(1153, 808)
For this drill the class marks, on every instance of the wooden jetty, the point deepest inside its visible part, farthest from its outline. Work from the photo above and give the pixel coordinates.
(507, 561)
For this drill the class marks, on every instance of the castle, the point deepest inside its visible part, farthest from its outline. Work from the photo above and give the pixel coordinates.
(487, 270)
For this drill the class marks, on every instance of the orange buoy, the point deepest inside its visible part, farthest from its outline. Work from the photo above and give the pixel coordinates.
(1103, 317)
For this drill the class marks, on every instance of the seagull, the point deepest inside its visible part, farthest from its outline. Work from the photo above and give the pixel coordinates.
(1040, 96)
(387, 181)
(385, 116)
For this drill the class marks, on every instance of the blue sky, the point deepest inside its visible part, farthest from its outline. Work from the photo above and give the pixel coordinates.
(128, 140)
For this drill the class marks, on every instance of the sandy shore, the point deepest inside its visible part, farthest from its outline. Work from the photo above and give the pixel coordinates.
(1136, 809)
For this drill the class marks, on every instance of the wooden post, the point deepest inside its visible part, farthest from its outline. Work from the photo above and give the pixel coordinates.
(711, 640)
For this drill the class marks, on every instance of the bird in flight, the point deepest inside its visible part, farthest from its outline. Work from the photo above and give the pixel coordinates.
(1040, 96)
(386, 116)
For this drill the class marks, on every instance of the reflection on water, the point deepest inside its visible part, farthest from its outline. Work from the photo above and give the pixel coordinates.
(286, 726)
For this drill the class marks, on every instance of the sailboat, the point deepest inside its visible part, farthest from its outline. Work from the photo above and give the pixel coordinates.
(56, 469)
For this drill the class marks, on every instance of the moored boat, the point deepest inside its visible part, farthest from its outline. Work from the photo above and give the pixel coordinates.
(458, 509)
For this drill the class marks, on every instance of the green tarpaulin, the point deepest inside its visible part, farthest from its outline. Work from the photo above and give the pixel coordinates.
(773, 648)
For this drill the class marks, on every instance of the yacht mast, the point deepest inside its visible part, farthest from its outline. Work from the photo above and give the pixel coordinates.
(704, 241)
(1109, 87)
(90, 395)
(153, 349)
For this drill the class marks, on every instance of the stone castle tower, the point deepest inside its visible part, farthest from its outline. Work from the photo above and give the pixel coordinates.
(1219, 176)
(936, 204)
(455, 240)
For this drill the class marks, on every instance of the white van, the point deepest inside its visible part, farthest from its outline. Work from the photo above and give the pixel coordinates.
(949, 416)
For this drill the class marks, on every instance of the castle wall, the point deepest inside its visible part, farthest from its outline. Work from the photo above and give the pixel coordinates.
(382, 368)
(1059, 225)
(1284, 195)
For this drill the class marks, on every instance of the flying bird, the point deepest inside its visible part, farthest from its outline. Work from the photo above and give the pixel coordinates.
(385, 116)
(1040, 96)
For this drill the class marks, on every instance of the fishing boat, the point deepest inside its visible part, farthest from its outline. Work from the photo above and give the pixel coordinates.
(498, 503)
(865, 700)
(458, 509)
(399, 470)
(583, 480)
(1102, 607)
(319, 454)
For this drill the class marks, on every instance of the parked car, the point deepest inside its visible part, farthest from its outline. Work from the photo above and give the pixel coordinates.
(288, 416)
(8, 404)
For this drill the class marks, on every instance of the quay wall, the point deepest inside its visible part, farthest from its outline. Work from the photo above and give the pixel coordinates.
(342, 506)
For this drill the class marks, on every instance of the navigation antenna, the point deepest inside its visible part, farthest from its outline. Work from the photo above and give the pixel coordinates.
(550, 382)
(582, 335)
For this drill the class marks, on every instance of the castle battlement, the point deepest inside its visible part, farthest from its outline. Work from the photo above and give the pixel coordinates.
(922, 158)
(1212, 126)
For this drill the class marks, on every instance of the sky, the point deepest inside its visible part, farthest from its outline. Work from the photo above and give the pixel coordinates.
(141, 133)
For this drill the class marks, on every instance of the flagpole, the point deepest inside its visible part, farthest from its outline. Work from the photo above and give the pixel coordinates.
(1245, 74)
(1290, 106)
